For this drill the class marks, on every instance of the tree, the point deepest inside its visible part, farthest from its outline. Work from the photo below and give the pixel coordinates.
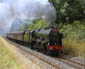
(68, 10)
(37, 24)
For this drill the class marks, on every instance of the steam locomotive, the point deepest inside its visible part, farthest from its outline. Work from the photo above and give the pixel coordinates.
(47, 40)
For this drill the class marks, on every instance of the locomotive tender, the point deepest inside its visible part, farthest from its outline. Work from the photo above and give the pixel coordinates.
(47, 40)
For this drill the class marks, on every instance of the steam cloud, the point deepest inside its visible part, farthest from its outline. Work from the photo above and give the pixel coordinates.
(13, 11)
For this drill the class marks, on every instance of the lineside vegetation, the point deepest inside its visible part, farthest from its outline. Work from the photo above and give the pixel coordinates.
(7, 61)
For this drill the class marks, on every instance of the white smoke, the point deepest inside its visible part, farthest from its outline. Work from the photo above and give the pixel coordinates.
(5, 18)
(10, 10)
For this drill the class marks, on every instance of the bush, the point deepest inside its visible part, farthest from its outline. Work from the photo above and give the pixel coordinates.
(75, 30)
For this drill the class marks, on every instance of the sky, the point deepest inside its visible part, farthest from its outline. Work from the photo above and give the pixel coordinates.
(13, 9)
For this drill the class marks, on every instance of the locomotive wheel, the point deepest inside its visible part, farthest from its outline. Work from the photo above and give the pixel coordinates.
(48, 53)
(33, 44)
(45, 48)
(56, 53)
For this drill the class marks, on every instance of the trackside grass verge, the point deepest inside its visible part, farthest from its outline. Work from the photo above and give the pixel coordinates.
(72, 47)
(7, 61)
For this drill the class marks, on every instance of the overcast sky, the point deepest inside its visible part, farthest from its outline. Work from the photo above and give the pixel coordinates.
(10, 9)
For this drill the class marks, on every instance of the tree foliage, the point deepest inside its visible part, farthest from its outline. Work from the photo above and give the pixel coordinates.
(37, 24)
(69, 10)
(76, 30)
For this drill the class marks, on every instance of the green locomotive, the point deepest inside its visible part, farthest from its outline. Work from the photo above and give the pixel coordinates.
(48, 40)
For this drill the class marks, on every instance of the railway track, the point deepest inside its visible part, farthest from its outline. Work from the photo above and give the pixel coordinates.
(71, 63)
(66, 58)
(61, 61)
(23, 50)
(74, 64)
(74, 61)
(40, 58)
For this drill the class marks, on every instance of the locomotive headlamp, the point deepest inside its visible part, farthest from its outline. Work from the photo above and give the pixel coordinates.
(48, 44)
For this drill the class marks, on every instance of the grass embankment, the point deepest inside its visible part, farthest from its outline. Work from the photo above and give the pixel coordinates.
(74, 40)
(73, 48)
(7, 61)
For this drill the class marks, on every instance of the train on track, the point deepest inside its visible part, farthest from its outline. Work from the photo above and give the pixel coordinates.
(47, 40)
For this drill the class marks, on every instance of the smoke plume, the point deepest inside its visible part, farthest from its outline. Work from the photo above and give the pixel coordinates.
(14, 11)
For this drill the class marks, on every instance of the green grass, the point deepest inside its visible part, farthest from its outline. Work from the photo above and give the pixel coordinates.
(7, 61)
(74, 48)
